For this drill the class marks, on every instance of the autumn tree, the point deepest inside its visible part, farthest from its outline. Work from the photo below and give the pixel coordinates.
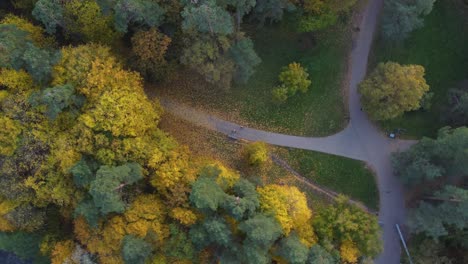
(401, 17)
(351, 229)
(9, 135)
(289, 207)
(149, 48)
(293, 78)
(392, 89)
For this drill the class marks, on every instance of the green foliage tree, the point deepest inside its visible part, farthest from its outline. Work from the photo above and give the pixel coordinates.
(139, 12)
(293, 78)
(261, 230)
(212, 231)
(344, 222)
(291, 249)
(49, 13)
(135, 250)
(207, 17)
(206, 55)
(456, 111)
(24, 245)
(57, 99)
(439, 220)
(245, 58)
(257, 153)
(391, 89)
(178, 246)
(431, 159)
(272, 10)
(108, 183)
(318, 255)
(401, 17)
(206, 194)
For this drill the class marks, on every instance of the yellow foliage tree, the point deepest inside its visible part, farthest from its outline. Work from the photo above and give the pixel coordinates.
(9, 133)
(289, 206)
(6, 206)
(62, 252)
(349, 252)
(147, 214)
(76, 62)
(86, 19)
(184, 216)
(16, 81)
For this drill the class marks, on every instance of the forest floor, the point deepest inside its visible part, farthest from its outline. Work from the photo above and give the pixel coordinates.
(441, 47)
(319, 112)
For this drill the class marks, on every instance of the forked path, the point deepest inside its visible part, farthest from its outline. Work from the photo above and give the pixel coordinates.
(360, 140)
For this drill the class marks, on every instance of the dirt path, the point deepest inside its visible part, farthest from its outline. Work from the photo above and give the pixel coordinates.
(360, 140)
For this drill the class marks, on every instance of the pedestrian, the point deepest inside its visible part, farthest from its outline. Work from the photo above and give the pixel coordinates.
(241, 127)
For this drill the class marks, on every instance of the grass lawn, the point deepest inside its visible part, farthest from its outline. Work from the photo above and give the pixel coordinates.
(319, 112)
(342, 175)
(441, 46)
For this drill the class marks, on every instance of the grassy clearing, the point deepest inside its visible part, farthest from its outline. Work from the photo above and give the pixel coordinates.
(343, 175)
(319, 112)
(441, 47)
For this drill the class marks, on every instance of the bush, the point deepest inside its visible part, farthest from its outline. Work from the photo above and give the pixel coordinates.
(257, 153)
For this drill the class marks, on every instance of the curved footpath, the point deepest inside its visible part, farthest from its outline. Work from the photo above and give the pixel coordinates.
(360, 140)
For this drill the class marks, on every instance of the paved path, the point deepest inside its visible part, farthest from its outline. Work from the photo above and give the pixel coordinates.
(360, 140)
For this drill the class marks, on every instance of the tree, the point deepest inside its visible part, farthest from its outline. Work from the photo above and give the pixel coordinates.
(212, 231)
(347, 225)
(289, 207)
(456, 111)
(291, 249)
(109, 181)
(293, 78)
(9, 135)
(392, 89)
(245, 58)
(206, 194)
(207, 56)
(140, 12)
(431, 159)
(449, 216)
(256, 153)
(135, 250)
(24, 245)
(58, 99)
(272, 10)
(76, 63)
(261, 230)
(83, 21)
(149, 48)
(36, 34)
(401, 17)
(318, 255)
(207, 18)
(50, 13)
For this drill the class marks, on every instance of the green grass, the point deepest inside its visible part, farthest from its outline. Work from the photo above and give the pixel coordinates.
(342, 175)
(319, 112)
(441, 46)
